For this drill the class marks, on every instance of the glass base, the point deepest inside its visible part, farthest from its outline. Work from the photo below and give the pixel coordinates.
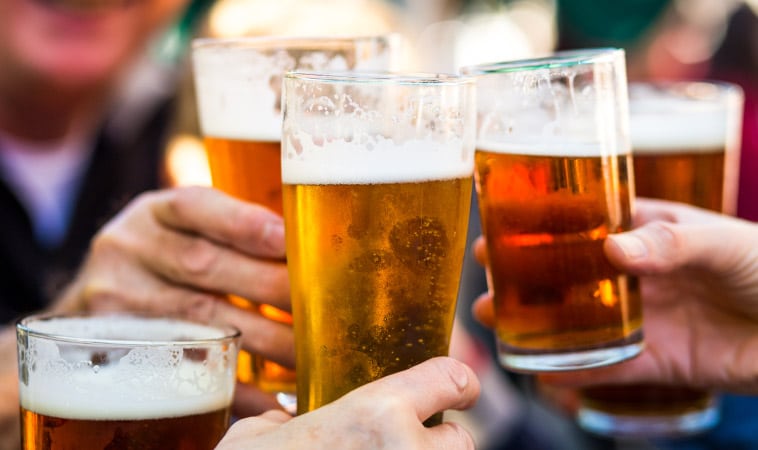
(288, 401)
(648, 426)
(519, 360)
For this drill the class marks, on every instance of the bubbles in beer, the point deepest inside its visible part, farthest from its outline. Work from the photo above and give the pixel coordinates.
(419, 243)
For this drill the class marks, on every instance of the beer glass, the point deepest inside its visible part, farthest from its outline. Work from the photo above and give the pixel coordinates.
(377, 177)
(685, 139)
(554, 179)
(124, 382)
(238, 86)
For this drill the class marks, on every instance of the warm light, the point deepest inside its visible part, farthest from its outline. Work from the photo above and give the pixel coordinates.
(186, 162)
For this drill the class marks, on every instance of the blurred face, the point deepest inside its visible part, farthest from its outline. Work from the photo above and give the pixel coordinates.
(77, 42)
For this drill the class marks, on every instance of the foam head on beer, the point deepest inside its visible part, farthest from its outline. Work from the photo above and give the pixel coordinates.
(693, 118)
(238, 81)
(124, 368)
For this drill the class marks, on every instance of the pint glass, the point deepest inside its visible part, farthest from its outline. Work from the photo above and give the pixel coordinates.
(124, 382)
(554, 179)
(685, 139)
(377, 172)
(238, 86)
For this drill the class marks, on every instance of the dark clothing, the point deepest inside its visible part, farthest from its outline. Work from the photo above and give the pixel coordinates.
(120, 167)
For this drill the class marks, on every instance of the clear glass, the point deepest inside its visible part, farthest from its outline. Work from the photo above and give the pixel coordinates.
(122, 382)
(378, 173)
(554, 179)
(238, 85)
(685, 140)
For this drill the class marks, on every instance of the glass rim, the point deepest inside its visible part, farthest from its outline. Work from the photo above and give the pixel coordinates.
(229, 332)
(557, 60)
(380, 78)
(287, 41)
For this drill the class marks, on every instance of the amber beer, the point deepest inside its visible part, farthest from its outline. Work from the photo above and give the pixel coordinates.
(124, 382)
(546, 215)
(685, 143)
(250, 169)
(96, 432)
(554, 179)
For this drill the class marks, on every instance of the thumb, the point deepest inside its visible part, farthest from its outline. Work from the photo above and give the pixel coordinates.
(723, 248)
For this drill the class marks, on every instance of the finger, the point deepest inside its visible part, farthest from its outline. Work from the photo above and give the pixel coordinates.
(662, 247)
(649, 210)
(449, 435)
(483, 309)
(250, 401)
(195, 261)
(267, 338)
(434, 385)
(480, 250)
(246, 226)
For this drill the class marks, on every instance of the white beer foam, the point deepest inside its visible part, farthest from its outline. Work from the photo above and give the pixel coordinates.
(234, 100)
(677, 125)
(238, 89)
(145, 383)
(380, 161)
(553, 147)
(105, 395)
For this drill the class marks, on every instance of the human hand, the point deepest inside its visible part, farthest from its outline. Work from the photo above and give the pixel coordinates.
(179, 252)
(699, 285)
(385, 414)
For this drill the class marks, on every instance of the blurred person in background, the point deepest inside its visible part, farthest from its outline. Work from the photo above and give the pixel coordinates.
(84, 116)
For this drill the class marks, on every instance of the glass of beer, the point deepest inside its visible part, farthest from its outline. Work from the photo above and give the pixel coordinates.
(378, 173)
(685, 139)
(124, 382)
(554, 179)
(238, 87)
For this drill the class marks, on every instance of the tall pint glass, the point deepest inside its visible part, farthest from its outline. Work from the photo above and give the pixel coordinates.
(685, 139)
(377, 172)
(554, 179)
(124, 382)
(238, 86)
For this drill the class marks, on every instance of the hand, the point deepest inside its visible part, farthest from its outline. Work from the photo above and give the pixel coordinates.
(179, 252)
(699, 284)
(385, 414)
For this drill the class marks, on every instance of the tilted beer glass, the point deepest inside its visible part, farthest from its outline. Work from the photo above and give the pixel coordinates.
(124, 382)
(554, 179)
(238, 85)
(685, 140)
(377, 172)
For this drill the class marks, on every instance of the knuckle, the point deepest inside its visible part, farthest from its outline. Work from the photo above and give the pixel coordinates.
(198, 258)
(181, 200)
(665, 241)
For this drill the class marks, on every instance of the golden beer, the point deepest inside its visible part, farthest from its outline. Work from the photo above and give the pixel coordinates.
(377, 172)
(683, 140)
(124, 382)
(238, 82)
(374, 271)
(546, 218)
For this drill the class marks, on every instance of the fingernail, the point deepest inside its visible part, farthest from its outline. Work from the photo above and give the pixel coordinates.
(459, 375)
(273, 234)
(632, 246)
